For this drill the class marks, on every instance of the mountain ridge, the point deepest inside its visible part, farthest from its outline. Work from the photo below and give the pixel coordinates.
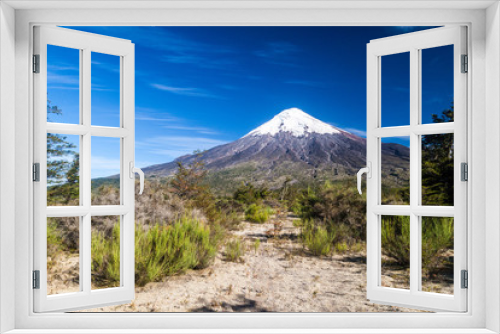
(292, 144)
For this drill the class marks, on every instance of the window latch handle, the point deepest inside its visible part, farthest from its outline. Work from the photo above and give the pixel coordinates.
(368, 171)
(139, 171)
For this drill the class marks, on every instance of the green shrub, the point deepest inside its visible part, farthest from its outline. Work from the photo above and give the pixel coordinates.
(256, 245)
(341, 247)
(169, 250)
(317, 239)
(338, 207)
(234, 250)
(257, 213)
(160, 251)
(396, 238)
(105, 253)
(437, 238)
(248, 194)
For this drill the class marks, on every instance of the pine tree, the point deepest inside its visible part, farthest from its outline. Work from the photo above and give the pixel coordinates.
(437, 164)
(63, 165)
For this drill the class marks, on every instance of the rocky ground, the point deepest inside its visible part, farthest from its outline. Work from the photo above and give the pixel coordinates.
(278, 276)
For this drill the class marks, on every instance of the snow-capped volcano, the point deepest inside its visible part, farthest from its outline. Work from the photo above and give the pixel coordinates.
(293, 145)
(296, 122)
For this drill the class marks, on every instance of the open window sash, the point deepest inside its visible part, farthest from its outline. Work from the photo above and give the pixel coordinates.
(86, 295)
(414, 43)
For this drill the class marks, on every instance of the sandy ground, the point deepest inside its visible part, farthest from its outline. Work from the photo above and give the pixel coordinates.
(277, 277)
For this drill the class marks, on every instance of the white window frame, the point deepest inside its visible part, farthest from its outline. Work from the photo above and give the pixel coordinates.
(86, 44)
(414, 44)
(483, 21)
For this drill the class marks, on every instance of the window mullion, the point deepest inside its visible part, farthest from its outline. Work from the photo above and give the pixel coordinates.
(85, 175)
(414, 170)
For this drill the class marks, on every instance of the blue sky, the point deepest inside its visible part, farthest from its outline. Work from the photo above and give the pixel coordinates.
(198, 87)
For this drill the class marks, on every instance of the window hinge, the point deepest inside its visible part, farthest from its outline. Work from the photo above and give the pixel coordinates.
(36, 63)
(36, 172)
(36, 279)
(465, 279)
(465, 64)
(464, 171)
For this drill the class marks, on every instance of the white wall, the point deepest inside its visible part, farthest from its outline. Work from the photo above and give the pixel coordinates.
(492, 164)
(7, 159)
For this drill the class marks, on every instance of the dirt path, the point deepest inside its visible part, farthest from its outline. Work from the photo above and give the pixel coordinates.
(278, 277)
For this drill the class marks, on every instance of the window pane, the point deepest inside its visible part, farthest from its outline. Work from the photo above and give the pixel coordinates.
(437, 254)
(63, 255)
(105, 171)
(105, 90)
(395, 89)
(395, 261)
(63, 169)
(437, 170)
(437, 84)
(105, 252)
(63, 85)
(395, 163)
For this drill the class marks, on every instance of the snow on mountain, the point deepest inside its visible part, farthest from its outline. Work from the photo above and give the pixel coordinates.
(296, 122)
(292, 144)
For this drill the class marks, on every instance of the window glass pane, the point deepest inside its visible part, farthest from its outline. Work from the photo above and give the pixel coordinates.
(105, 171)
(395, 261)
(105, 252)
(437, 84)
(437, 254)
(395, 163)
(105, 90)
(437, 170)
(395, 89)
(63, 85)
(63, 169)
(63, 259)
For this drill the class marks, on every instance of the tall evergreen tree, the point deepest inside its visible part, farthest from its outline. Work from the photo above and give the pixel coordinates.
(63, 164)
(437, 164)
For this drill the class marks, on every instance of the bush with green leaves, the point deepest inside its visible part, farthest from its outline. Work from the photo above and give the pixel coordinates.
(317, 239)
(169, 250)
(437, 240)
(258, 213)
(249, 194)
(234, 250)
(160, 251)
(338, 207)
(105, 251)
(396, 238)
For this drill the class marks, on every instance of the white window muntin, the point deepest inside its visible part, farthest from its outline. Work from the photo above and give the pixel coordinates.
(86, 43)
(414, 43)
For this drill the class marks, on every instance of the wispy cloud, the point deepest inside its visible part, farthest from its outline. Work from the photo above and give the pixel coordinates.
(112, 66)
(170, 122)
(358, 132)
(280, 53)
(61, 67)
(140, 117)
(171, 147)
(199, 129)
(176, 48)
(62, 79)
(304, 83)
(187, 91)
(104, 166)
(276, 49)
(199, 61)
(153, 114)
